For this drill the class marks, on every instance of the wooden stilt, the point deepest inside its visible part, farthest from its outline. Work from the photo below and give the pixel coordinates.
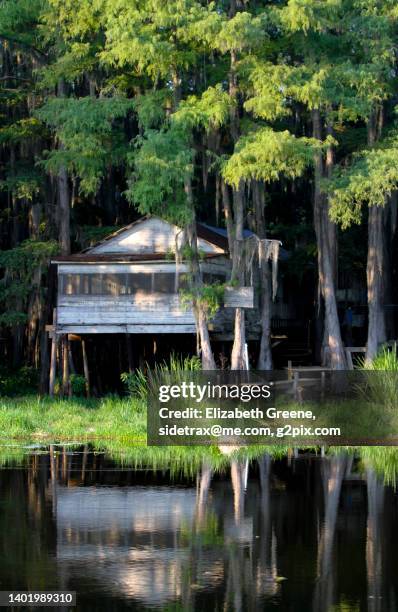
(53, 364)
(66, 389)
(72, 368)
(52, 329)
(85, 368)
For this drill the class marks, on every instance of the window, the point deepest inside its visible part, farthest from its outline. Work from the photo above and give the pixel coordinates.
(115, 284)
(70, 284)
(139, 282)
(164, 282)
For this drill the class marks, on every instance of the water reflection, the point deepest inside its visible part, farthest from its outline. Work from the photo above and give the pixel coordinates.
(301, 533)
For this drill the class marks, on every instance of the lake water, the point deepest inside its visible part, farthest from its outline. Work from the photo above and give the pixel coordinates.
(300, 534)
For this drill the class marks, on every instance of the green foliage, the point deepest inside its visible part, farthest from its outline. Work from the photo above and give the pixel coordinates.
(306, 15)
(25, 258)
(153, 36)
(266, 155)
(22, 269)
(86, 128)
(151, 108)
(242, 31)
(161, 162)
(90, 234)
(208, 297)
(24, 183)
(371, 178)
(20, 131)
(18, 23)
(209, 111)
(266, 88)
(78, 385)
(18, 382)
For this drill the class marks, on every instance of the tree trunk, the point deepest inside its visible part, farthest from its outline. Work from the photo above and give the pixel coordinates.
(264, 361)
(63, 197)
(238, 356)
(374, 274)
(388, 262)
(85, 368)
(64, 212)
(331, 230)
(208, 362)
(334, 354)
(375, 259)
(53, 366)
(229, 222)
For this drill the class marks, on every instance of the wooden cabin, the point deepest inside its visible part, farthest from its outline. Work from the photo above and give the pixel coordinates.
(131, 283)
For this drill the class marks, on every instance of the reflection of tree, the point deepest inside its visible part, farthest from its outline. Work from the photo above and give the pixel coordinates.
(374, 542)
(333, 471)
(267, 568)
(203, 486)
(238, 474)
(27, 529)
(251, 569)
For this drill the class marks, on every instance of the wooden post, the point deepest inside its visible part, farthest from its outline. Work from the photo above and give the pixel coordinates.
(66, 387)
(349, 359)
(295, 385)
(53, 364)
(72, 368)
(85, 368)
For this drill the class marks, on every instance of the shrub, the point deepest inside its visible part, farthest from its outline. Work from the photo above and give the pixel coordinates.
(78, 384)
(22, 381)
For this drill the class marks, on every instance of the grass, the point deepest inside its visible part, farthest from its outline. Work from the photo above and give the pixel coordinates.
(80, 420)
(122, 421)
(112, 425)
(118, 427)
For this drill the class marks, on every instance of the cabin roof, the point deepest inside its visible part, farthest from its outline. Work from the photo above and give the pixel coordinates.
(147, 239)
(126, 244)
(205, 232)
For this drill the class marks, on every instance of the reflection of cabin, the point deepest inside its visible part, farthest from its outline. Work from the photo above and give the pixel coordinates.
(130, 282)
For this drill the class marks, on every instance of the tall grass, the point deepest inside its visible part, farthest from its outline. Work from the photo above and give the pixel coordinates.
(137, 383)
(381, 378)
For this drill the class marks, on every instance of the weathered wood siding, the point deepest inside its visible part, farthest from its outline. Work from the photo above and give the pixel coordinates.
(126, 310)
(142, 311)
